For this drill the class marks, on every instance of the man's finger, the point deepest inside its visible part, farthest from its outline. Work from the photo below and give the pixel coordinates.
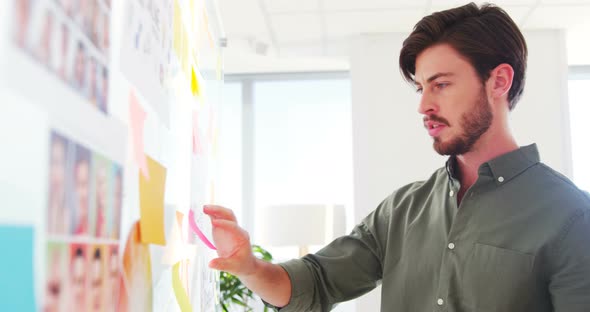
(227, 225)
(222, 264)
(219, 212)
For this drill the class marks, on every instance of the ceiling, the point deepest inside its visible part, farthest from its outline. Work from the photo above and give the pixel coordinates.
(313, 35)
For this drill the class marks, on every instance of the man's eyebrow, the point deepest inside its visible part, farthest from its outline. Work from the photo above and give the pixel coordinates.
(435, 76)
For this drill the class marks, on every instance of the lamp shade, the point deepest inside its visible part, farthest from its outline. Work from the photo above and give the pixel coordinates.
(299, 224)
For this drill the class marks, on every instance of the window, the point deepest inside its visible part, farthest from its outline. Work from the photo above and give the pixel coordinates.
(579, 104)
(296, 138)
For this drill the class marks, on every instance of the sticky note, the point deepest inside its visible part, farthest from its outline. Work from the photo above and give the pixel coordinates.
(175, 249)
(151, 202)
(16, 268)
(137, 295)
(197, 146)
(194, 83)
(137, 117)
(219, 68)
(195, 229)
(207, 30)
(177, 27)
(179, 291)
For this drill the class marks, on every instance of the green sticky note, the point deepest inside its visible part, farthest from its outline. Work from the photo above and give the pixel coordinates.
(17, 291)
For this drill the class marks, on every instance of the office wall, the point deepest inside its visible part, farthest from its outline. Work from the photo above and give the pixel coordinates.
(390, 147)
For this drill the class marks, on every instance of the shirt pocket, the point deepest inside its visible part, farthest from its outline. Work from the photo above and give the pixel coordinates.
(499, 279)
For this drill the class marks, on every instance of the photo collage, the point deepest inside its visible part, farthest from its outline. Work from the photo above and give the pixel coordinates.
(71, 39)
(83, 226)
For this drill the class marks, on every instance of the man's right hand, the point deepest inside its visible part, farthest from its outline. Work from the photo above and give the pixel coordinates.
(232, 243)
(270, 281)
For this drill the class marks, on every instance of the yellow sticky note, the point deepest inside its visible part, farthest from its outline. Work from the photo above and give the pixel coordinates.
(194, 83)
(151, 202)
(219, 69)
(177, 28)
(179, 291)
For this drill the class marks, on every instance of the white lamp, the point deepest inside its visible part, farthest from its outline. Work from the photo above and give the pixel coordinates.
(300, 225)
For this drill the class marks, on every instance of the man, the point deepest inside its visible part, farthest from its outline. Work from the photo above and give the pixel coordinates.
(493, 230)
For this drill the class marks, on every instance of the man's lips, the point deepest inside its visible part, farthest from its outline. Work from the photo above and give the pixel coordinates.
(434, 128)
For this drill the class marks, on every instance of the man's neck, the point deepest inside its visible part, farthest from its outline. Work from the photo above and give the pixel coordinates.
(487, 148)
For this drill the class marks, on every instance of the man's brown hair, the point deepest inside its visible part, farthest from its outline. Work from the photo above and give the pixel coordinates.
(486, 36)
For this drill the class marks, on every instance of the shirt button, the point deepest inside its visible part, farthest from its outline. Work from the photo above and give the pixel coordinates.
(451, 246)
(451, 193)
(500, 179)
(440, 301)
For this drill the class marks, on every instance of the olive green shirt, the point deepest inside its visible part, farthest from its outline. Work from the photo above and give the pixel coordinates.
(519, 242)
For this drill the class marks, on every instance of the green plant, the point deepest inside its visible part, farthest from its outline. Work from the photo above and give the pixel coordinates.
(233, 292)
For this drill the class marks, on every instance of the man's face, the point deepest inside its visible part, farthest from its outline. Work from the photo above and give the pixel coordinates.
(454, 102)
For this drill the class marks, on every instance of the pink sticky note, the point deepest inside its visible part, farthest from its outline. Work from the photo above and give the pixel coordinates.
(197, 147)
(195, 228)
(136, 122)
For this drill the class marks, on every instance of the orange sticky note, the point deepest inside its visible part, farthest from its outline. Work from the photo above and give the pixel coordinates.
(194, 83)
(137, 117)
(151, 202)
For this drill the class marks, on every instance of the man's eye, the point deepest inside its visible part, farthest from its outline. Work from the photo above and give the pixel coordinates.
(419, 90)
(441, 85)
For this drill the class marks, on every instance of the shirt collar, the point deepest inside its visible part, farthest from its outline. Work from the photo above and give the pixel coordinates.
(504, 167)
(509, 165)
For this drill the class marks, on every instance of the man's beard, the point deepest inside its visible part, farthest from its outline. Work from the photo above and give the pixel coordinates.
(473, 123)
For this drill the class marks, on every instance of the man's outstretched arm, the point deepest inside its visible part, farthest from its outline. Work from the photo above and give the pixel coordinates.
(269, 281)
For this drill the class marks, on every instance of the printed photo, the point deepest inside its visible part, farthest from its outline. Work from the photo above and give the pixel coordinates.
(102, 195)
(77, 270)
(58, 217)
(55, 286)
(80, 191)
(117, 206)
(71, 39)
(96, 285)
(112, 278)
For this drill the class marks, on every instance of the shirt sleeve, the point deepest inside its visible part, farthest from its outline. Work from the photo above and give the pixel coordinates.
(345, 269)
(569, 282)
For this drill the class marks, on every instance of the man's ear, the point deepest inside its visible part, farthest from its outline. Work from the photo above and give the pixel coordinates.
(501, 80)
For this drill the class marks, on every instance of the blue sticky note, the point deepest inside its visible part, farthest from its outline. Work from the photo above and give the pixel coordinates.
(17, 291)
